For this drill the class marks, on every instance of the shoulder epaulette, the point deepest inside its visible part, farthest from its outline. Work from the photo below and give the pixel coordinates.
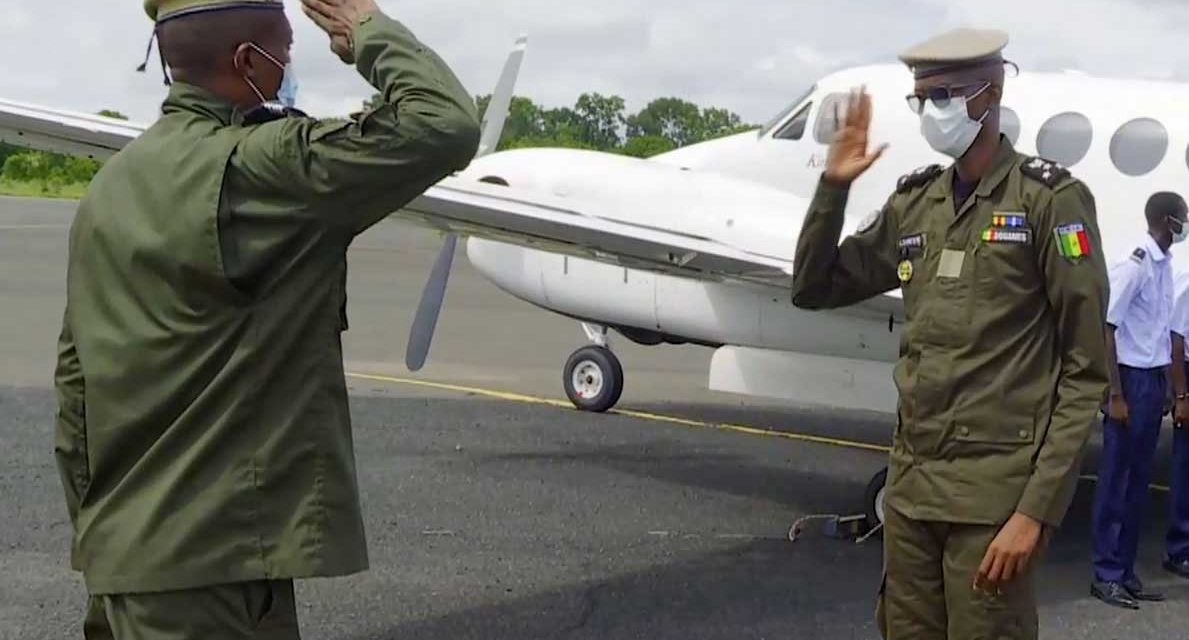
(919, 178)
(1044, 171)
(1138, 255)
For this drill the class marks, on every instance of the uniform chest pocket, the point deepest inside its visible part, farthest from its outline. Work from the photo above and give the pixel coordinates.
(1004, 268)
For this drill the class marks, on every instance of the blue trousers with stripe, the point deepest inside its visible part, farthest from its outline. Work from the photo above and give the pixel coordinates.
(1124, 473)
(1178, 511)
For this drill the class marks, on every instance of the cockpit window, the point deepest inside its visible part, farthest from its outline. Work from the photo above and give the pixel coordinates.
(796, 127)
(784, 113)
(827, 124)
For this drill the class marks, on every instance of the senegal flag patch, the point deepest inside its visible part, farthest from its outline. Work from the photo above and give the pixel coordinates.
(1073, 243)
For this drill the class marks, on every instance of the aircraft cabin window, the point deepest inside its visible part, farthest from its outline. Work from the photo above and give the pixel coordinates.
(1009, 124)
(1065, 138)
(795, 129)
(1139, 146)
(784, 113)
(824, 130)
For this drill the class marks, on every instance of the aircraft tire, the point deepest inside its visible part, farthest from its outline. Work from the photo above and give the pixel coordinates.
(873, 499)
(593, 379)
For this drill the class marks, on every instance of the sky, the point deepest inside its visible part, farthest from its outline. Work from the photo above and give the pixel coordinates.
(750, 56)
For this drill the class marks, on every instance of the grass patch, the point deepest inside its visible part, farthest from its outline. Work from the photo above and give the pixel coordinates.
(24, 189)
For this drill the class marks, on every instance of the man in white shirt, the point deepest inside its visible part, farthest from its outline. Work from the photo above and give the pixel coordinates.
(1177, 558)
(1139, 350)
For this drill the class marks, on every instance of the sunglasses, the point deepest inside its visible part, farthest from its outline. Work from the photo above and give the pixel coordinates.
(941, 96)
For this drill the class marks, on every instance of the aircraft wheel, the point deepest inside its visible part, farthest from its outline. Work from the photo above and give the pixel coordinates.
(593, 379)
(874, 499)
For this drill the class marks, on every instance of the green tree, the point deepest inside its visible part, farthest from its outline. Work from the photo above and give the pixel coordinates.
(672, 118)
(108, 113)
(647, 146)
(600, 119)
(374, 102)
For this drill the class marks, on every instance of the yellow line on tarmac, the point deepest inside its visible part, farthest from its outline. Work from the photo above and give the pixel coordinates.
(652, 417)
(641, 415)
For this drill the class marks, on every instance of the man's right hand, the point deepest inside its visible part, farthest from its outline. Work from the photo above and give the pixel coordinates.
(1117, 409)
(338, 18)
(848, 157)
(1181, 414)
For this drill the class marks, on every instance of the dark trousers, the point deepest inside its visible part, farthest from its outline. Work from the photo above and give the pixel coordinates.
(1124, 473)
(1178, 511)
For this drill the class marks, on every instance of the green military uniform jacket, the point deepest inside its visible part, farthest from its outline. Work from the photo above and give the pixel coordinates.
(203, 434)
(1003, 364)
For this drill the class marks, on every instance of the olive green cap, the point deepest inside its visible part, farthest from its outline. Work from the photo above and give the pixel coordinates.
(162, 10)
(954, 50)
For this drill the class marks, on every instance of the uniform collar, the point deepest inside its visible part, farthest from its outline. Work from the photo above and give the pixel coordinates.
(1001, 166)
(188, 98)
(1153, 248)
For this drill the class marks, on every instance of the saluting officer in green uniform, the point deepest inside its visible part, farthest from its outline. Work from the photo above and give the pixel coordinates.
(1002, 362)
(203, 435)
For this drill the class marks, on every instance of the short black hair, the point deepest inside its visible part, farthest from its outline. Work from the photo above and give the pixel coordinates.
(1165, 204)
(202, 45)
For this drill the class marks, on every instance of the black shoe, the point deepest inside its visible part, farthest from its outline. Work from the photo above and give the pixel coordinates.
(1177, 567)
(1136, 588)
(1114, 594)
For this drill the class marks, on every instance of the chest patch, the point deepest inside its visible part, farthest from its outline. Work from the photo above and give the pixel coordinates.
(1009, 221)
(911, 245)
(997, 235)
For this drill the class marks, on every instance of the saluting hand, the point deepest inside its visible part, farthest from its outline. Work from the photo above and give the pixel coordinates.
(1009, 554)
(848, 157)
(338, 18)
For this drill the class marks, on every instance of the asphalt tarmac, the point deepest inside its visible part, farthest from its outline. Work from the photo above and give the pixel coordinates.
(496, 513)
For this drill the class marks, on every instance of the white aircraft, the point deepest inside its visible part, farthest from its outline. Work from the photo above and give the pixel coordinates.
(696, 246)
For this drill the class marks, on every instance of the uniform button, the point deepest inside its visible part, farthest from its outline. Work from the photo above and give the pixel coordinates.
(1023, 433)
(964, 431)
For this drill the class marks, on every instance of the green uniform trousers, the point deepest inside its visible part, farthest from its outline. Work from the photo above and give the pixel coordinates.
(250, 610)
(928, 587)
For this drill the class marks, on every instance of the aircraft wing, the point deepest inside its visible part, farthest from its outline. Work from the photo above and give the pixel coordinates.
(563, 225)
(496, 212)
(77, 134)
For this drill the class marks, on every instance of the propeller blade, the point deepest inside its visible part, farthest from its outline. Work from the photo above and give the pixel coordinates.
(501, 100)
(426, 320)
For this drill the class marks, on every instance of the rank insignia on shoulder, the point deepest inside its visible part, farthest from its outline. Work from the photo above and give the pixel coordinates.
(918, 178)
(998, 235)
(1138, 255)
(1044, 171)
(1073, 243)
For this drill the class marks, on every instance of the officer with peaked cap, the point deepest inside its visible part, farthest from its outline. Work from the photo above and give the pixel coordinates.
(1003, 363)
(203, 433)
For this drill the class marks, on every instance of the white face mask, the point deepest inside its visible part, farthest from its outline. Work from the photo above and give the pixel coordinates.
(1179, 237)
(949, 129)
(287, 94)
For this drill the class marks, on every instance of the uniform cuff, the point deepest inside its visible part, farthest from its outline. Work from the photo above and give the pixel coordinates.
(830, 196)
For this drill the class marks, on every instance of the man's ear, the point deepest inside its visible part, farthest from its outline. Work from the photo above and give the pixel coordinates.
(243, 60)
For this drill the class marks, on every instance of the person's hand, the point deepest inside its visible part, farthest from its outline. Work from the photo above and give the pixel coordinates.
(338, 18)
(1181, 414)
(1117, 409)
(1009, 554)
(849, 157)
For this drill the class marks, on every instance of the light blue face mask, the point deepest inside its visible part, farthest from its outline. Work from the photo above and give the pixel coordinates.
(287, 94)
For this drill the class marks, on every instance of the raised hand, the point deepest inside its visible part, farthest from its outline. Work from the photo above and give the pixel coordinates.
(849, 155)
(338, 18)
